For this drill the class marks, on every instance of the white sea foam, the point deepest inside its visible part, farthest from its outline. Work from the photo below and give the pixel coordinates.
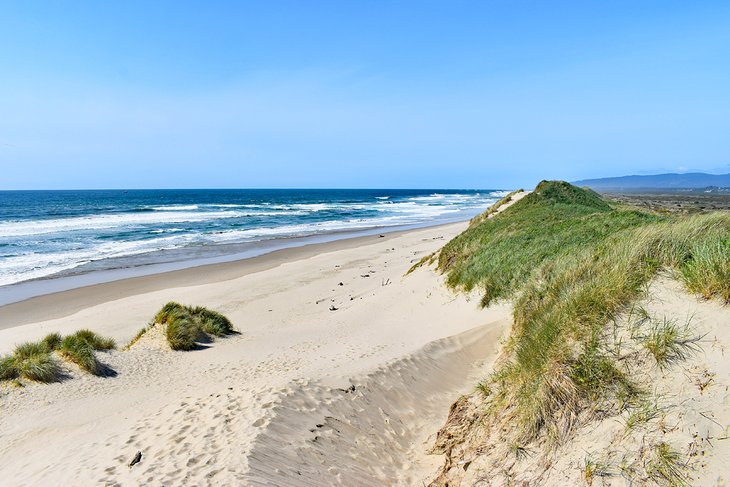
(175, 208)
(62, 244)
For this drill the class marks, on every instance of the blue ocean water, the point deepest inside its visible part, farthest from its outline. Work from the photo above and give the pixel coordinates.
(44, 233)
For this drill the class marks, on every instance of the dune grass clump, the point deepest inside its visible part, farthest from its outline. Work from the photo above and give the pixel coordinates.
(52, 341)
(79, 351)
(571, 263)
(186, 325)
(79, 348)
(212, 322)
(39, 367)
(8, 371)
(668, 342)
(667, 466)
(35, 360)
(95, 341)
(708, 271)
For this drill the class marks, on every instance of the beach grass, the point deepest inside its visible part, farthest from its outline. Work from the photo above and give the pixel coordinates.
(52, 341)
(40, 367)
(8, 370)
(79, 351)
(187, 325)
(95, 341)
(571, 262)
(36, 361)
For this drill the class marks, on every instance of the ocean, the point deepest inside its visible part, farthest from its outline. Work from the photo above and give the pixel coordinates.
(45, 234)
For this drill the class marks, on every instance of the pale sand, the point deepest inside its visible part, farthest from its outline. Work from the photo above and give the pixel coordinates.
(264, 407)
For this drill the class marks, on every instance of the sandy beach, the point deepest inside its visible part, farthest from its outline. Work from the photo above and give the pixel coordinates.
(343, 370)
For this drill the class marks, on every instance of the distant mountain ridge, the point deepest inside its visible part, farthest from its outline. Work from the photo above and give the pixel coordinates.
(694, 180)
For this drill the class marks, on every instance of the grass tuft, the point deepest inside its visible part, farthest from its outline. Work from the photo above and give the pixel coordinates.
(484, 388)
(30, 349)
(186, 325)
(212, 322)
(182, 330)
(35, 361)
(78, 350)
(8, 371)
(708, 271)
(95, 341)
(593, 468)
(642, 414)
(52, 341)
(668, 343)
(41, 367)
(666, 466)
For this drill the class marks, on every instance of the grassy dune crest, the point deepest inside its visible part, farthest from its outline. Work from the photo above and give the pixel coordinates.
(571, 262)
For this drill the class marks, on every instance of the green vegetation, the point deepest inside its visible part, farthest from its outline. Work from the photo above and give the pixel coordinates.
(571, 262)
(593, 468)
(643, 413)
(52, 341)
(425, 260)
(41, 367)
(483, 388)
(35, 360)
(8, 371)
(79, 351)
(667, 467)
(713, 255)
(186, 325)
(95, 341)
(668, 342)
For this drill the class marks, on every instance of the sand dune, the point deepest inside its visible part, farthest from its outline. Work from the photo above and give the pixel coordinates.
(241, 410)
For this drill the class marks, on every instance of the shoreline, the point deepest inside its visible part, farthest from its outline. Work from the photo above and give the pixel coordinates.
(65, 302)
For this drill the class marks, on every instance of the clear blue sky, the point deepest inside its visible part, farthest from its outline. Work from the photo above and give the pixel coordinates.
(126, 94)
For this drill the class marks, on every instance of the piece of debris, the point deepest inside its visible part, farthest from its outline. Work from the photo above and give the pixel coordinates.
(137, 458)
(341, 284)
(364, 275)
(381, 235)
(333, 308)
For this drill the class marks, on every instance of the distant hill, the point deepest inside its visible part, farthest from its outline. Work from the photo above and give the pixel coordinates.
(695, 180)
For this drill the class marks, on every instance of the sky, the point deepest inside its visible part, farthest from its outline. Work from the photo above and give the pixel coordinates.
(348, 94)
